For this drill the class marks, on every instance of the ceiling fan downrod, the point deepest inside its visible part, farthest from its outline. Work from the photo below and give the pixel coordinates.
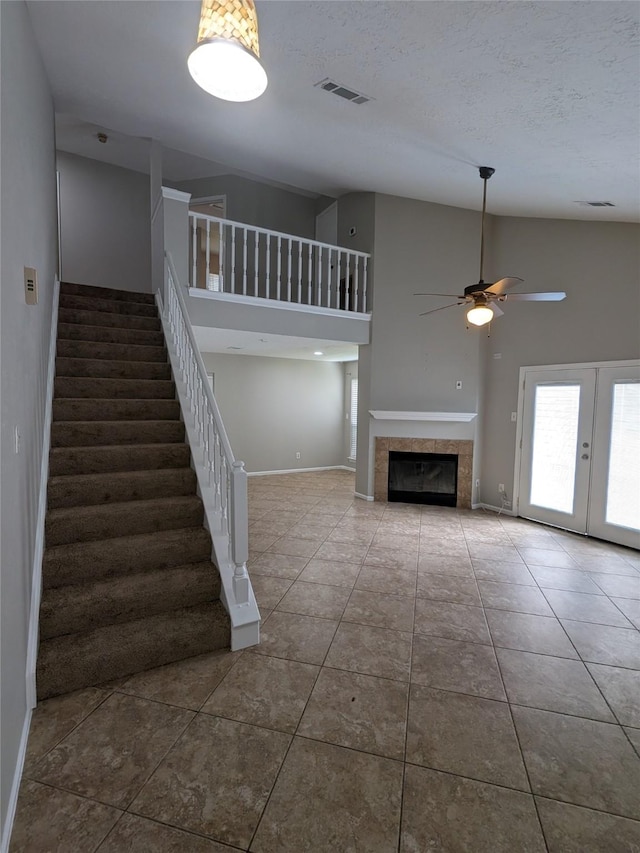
(485, 174)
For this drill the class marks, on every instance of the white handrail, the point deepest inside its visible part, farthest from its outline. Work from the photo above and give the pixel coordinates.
(273, 265)
(226, 476)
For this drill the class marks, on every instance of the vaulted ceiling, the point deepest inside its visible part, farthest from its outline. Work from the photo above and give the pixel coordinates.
(546, 92)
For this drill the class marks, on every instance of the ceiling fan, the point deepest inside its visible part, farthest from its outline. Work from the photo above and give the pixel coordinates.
(484, 296)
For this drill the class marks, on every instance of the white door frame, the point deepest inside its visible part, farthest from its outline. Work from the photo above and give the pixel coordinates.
(520, 418)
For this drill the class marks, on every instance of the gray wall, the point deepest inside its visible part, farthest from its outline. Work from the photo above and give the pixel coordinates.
(29, 238)
(598, 265)
(105, 223)
(273, 407)
(259, 204)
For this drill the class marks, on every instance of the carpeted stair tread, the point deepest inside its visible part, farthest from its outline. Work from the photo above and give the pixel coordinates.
(108, 306)
(88, 409)
(105, 334)
(102, 368)
(71, 289)
(116, 352)
(86, 317)
(80, 660)
(73, 563)
(128, 457)
(114, 389)
(90, 489)
(107, 521)
(92, 433)
(86, 606)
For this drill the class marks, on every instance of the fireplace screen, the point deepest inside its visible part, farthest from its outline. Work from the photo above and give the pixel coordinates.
(423, 478)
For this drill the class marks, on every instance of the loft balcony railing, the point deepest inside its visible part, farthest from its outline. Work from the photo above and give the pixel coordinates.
(228, 257)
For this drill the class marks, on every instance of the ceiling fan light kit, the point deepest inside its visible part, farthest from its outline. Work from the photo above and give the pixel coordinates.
(226, 59)
(482, 296)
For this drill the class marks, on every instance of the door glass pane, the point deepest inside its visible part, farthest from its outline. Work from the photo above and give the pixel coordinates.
(623, 484)
(555, 434)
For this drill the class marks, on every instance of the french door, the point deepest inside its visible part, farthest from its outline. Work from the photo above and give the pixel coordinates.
(580, 450)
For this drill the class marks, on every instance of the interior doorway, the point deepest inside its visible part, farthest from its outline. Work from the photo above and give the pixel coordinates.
(579, 448)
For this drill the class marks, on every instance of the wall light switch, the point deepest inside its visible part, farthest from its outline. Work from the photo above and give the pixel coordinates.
(30, 286)
(459, 385)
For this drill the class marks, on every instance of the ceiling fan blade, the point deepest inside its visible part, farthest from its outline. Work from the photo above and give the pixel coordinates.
(433, 311)
(450, 295)
(499, 287)
(497, 312)
(553, 296)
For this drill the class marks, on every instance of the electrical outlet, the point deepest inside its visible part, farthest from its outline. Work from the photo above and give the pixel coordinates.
(477, 484)
(514, 416)
(297, 454)
(507, 504)
(459, 385)
(500, 487)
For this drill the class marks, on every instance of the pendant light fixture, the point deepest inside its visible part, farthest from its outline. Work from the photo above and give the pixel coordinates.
(226, 59)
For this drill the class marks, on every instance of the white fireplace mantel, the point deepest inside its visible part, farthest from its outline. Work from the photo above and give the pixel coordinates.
(464, 417)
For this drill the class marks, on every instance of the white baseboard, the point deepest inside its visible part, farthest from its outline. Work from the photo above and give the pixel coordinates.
(299, 470)
(38, 551)
(15, 785)
(497, 509)
(363, 497)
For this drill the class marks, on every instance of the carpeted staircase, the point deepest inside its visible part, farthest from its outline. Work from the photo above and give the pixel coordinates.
(127, 578)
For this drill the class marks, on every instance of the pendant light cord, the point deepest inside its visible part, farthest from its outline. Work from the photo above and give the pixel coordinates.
(484, 205)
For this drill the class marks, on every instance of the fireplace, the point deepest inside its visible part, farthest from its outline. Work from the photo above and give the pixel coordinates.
(461, 449)
(423, 478)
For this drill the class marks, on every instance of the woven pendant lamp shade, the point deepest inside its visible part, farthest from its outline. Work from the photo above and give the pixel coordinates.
(225, 61)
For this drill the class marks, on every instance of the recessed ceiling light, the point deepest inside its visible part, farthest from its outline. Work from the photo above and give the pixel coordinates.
(317, 352)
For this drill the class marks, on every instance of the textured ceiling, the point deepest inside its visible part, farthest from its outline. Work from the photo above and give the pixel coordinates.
(546, 92)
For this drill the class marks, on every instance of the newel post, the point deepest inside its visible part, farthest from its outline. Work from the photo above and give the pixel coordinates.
(239, 529)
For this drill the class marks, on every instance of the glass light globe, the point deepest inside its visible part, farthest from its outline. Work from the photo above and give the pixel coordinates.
(480, 315)
(227, 70)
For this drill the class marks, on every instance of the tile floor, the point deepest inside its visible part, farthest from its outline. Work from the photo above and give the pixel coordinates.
(428, 680)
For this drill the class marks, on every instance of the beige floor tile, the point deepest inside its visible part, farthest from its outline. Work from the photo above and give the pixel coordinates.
(547, 557)
(292, 546)
(386, 580)
(392, 558)
(631, 609)
(307, 530)
(407, 542)
(262, 541)
(579, 761)
(216, 779)
(585, 608)
(573, 580)
(186, 683)
(315, 599)
(608, 564)
(618, 585)
(278, 566)
(456, 565)
(464, 735)
(454, 665)
(634, 736)
(621, 689)
(605, 644)
(457, 590)
(264, 691)
(342, 552)
(269, 590)
(332, 572)
(492, 570)
(357, 711)
(499, 553)
(371, 651)
(450, 814)
(453, 621)
(295, 637)
(328, 798)
(514, 597)
(553, 684)
(54, 718)
(112, 753)
(134, 834)
(380, 610)
(542, 634)
(439, 546)
(574, 829)
(351, 536)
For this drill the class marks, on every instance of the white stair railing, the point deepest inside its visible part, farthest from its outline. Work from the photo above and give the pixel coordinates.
(222, 479)
(235, 258)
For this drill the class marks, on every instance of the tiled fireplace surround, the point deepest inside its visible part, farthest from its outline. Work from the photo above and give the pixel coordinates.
(461, 448)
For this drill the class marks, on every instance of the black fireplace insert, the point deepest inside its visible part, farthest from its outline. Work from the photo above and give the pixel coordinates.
(423, 478)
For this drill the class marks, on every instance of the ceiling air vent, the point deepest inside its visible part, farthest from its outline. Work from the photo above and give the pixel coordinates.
(596, 203)
(342, 91)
